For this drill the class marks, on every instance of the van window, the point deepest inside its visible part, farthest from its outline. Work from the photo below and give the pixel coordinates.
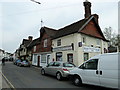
(91, 64)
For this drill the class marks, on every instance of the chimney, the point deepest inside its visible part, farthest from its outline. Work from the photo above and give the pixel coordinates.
(87, 6)
(30, 38)
(96, 18)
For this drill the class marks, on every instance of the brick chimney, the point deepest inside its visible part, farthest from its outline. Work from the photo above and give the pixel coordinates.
(87, 6)
(96, 18)
(30, 38)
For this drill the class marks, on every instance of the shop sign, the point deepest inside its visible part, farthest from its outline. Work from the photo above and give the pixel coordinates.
(64, 48)
(91, 49)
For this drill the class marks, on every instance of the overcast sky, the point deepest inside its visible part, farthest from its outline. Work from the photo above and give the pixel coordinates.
(22, 18)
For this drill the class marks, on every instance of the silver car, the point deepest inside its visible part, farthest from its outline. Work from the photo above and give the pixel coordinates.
(58, 69)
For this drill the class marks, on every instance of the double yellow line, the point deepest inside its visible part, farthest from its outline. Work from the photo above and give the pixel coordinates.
(8, 82)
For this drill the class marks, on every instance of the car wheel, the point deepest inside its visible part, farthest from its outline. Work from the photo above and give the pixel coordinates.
(77, 81)
(43, 72)
(59, 76)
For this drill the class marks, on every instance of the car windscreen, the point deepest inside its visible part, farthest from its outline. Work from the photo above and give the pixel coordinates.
(68, 65)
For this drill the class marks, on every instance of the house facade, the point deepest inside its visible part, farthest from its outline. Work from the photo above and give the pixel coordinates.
(42, 51)
(79, 41)
(23, 50)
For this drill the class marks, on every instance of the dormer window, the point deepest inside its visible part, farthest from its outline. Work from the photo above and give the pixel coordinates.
(45, 43)
(59, 42)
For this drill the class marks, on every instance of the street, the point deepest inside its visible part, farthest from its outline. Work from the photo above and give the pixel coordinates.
(30, 77)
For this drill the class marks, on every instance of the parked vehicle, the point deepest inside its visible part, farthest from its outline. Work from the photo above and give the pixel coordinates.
(24, 63)
(58, 69)
(18, 62)
(15, 61)
(101, 70)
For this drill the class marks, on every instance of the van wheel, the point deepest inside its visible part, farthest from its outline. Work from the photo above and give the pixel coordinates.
(43, 72)
(59, 76)
(77, 81)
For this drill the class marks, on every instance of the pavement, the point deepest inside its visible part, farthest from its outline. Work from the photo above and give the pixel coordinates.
(3, 83)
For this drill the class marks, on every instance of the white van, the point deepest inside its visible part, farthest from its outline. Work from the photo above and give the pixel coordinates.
(101, 70)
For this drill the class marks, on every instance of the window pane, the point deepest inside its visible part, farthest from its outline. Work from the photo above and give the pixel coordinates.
(92, 64)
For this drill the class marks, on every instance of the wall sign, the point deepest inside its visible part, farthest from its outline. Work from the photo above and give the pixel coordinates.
(64, 48)
(91, 49)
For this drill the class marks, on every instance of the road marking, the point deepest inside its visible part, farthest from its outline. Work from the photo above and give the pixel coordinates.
(12, 87)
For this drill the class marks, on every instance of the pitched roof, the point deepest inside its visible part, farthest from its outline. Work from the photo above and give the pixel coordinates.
(25, 42)
(76, 27)
(51, 32)
(34, 42)
(70, 29)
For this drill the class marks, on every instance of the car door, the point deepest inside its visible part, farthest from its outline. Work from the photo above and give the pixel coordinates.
(56, 67)
(48, 68)
(91, 75)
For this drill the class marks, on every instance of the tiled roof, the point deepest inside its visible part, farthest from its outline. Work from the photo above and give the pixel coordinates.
(51, 32)
(25, 42)
(34, 42)
(70, 29)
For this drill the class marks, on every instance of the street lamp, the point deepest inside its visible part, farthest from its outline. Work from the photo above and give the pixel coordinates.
(35, 1)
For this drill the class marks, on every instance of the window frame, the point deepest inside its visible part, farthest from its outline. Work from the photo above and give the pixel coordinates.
(59, 42)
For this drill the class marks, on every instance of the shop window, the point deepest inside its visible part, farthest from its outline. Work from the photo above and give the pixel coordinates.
(43, 58)
(59, 42)
(45, 43)
(86, 56)
(70, 58)
(59, 56)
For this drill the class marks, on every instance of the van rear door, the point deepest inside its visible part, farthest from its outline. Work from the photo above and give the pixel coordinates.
(108, 70)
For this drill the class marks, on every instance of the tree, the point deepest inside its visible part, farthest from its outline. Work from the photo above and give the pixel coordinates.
(114, 39)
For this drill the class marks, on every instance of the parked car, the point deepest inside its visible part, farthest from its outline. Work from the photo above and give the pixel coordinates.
(24, 63)
(101, 70)
(15, 61)
(58, 69)
(18, 61)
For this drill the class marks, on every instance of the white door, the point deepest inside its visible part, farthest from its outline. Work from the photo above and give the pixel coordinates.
(91, 75)
(109, 71)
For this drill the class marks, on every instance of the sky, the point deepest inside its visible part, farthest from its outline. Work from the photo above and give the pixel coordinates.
(22, 18)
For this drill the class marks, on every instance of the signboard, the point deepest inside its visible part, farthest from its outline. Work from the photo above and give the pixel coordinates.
(64, 48)
(91, 49)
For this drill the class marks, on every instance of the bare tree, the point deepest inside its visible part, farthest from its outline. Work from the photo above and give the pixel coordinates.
(114, 39)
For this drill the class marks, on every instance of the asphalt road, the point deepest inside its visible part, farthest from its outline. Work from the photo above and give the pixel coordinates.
(30, 77)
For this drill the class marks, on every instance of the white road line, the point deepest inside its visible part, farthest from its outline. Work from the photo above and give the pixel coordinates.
(8, 81)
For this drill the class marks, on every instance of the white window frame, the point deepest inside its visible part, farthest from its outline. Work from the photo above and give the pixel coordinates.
(59, 42)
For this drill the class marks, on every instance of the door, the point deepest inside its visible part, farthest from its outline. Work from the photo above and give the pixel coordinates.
(70, 58)
(48, 58)
(91, 75)
(38, 64)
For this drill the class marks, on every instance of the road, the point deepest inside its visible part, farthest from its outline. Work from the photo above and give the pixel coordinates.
(30, 77)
